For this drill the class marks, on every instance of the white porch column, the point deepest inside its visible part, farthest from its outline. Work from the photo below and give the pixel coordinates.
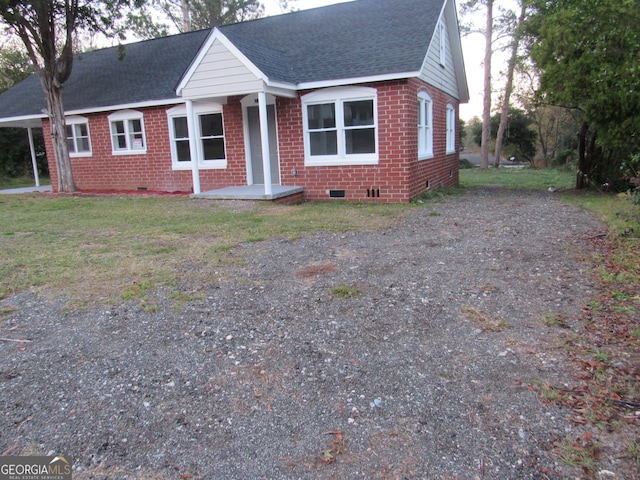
(193, 147)
(264, 137)
(32, 148)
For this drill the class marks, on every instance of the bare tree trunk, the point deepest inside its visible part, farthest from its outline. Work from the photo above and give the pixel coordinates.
(582, 163)
(59, 138)
(504, 114)
(486, 112)
(186, 16)
(542, 138)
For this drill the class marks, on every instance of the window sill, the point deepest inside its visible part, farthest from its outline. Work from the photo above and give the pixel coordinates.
(341, 161)
(129, 152)
(210, 165)
(425, 156)
(451, 152)
(80, 155)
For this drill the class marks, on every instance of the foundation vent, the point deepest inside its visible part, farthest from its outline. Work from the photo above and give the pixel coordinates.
(373, 193)
(337, 194)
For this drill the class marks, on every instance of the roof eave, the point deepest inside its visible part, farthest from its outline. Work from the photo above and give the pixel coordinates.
(356, 80)
(23, 121)
(458, 55)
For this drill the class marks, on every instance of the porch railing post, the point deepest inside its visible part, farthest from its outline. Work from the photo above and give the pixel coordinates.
(264, 137)
(34, 162)
(193, 147)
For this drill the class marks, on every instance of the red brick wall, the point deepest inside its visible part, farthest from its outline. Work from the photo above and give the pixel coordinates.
(442, 169)
(103, 171)
(389, 177)
(398, 177)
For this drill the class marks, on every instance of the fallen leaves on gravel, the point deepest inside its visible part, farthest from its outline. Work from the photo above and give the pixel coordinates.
(336, 447)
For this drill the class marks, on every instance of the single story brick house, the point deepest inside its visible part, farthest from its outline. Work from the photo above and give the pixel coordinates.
(356, 100)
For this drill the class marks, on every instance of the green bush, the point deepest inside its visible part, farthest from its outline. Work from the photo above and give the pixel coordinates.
(465, 164)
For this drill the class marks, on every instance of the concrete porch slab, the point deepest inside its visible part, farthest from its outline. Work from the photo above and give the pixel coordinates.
(249, 192)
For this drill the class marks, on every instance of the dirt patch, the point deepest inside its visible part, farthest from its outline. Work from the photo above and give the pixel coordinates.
(315, 269)
(266, 376)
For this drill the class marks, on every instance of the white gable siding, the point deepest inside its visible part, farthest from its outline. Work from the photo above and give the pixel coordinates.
(434, 73)
(220, 73)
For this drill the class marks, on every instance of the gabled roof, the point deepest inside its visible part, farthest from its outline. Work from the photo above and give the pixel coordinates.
(348, 40)
(359, 39)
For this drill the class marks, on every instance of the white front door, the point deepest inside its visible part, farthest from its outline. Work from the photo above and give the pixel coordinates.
(255, 145)
(253, 141)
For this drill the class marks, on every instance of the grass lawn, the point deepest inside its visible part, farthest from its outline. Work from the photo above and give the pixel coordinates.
(518, 178)
(19, 182)
(108, 248)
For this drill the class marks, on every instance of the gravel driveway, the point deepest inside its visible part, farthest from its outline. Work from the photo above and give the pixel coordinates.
(265, 373)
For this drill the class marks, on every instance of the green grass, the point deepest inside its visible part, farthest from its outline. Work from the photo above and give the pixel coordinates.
(518, 178)
(19, 182)
(617, 211)
(110, 248)
(120, 247)
(345, 291)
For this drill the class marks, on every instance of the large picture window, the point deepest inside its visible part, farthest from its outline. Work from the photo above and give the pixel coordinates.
(78, 141)
(209, 134)
(127, 132)
(425, 126)
(340, 126)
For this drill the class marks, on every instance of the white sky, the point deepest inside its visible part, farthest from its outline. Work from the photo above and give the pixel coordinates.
(472, 46)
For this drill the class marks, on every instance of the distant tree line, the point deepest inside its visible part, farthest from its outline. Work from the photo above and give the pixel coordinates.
(574, 71)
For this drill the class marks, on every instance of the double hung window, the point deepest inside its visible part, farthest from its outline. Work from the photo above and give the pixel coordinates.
(425, 126)
(209, 135)
(78, 141)
(127, 132)
(341, 126)
(442, 30)
(451, 129)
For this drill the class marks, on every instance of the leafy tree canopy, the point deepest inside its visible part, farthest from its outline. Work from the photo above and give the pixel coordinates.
(186, 15)
(588, 52)
(15, 66)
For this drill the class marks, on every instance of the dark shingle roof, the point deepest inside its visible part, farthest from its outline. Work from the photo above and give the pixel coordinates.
(348, 40)
(113, 76)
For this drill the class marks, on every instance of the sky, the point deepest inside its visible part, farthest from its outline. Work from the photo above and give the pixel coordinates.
(472, 48)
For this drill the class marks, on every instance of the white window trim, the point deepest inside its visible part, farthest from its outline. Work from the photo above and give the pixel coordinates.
(425, 128)
(198, 109)
(125, 116)
(338, 96)
(451, 129)
(78, 120)
(442, 30)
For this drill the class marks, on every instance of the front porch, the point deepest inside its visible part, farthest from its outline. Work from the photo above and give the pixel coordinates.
(250, 192)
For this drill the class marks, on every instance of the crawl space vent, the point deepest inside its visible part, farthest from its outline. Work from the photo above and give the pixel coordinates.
(337, 194)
